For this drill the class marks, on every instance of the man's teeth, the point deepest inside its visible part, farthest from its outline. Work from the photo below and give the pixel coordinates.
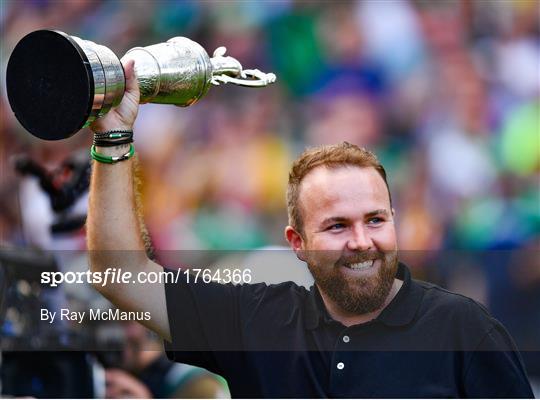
(362, 265)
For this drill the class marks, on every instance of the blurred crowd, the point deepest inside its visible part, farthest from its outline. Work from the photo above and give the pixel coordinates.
(446, 92)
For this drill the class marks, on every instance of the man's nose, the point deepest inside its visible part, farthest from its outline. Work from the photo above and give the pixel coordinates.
(360, 239)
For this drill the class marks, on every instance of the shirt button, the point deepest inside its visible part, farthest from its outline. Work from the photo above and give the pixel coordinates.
(340, 365)
(346, 339)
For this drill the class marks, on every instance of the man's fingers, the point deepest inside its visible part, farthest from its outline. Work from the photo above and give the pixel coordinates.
(128, 68)
(132, 85)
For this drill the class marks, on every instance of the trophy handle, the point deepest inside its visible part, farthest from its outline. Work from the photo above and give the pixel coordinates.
(249, 78)
(226, 69)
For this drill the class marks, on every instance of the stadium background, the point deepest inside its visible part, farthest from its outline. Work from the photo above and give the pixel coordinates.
(447, 93)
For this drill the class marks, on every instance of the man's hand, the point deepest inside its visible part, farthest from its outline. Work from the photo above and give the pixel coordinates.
(123, 116)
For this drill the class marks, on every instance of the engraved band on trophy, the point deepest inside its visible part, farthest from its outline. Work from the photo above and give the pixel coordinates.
(58, 84)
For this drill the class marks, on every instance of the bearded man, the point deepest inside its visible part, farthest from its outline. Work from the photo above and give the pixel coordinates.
(365, 329)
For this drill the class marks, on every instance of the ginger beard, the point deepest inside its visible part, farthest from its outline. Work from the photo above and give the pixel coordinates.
(356, 293)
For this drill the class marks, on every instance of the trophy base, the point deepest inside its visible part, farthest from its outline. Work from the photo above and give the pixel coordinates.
(50, 85)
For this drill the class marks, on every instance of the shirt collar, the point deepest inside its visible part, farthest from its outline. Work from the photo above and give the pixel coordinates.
(399, 312)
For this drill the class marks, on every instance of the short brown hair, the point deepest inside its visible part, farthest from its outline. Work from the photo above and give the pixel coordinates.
(330, 156)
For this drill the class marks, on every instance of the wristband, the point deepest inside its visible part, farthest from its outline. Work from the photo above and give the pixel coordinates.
(114, 159)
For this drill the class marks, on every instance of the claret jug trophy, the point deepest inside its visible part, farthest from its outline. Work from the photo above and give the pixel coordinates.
(58, 84)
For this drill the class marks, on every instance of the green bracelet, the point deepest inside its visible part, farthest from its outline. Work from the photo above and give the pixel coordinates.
(114, 159)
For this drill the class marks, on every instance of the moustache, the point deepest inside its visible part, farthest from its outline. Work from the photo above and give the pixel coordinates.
(360, 257)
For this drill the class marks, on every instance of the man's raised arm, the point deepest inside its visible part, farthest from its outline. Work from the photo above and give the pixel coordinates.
(114, 232)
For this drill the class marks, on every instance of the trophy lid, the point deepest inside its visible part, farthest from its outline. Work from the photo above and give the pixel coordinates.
(50, 85)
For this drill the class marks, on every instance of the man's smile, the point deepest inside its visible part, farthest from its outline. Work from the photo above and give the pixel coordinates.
(361, 266)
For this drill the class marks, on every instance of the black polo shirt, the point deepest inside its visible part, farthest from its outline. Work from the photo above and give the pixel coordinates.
(279, 341)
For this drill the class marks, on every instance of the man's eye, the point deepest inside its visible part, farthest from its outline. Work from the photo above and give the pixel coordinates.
(375, 221)
(336, 227)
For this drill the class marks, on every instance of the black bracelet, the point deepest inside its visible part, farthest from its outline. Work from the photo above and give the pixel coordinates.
(113, 134)
(114, 137)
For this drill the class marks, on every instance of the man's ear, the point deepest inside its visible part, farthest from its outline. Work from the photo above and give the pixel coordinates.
(295, 241)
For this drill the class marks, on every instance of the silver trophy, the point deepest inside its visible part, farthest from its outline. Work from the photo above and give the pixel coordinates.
(58, 84)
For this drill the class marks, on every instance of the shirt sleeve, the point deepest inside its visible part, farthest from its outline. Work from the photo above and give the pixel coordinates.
(205, 322)
(495, 369)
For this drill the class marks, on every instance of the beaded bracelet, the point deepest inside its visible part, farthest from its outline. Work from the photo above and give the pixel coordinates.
(111, 160)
